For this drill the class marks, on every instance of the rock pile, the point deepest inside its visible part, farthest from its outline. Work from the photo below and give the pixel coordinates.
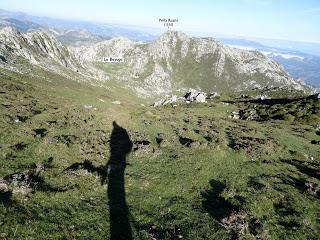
(245, 114)
(195, 96)
(192, 95)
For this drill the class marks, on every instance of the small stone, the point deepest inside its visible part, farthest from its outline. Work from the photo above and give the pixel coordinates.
(23, 190)
(116, 102)
(4, 187)
(87, 106)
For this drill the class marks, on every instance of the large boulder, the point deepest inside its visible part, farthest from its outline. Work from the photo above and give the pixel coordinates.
(195, 96)
(191, 95)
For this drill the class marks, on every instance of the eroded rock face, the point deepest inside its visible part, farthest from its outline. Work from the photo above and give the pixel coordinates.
(38, 47)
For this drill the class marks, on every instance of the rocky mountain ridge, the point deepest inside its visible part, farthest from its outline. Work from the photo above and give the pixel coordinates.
(172, 62)
(175, 61)
(37, 48)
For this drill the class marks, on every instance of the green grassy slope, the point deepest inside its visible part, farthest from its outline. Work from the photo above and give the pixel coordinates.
(193, 173)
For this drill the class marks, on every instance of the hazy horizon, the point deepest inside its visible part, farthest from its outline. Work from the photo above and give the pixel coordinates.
(265, 19)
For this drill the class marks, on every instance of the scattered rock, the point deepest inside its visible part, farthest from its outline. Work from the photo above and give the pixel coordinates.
(18, 183)
(191, 96)
(196, 144)
(38, 167)
(145, 122)
(26, 182)
(234, 115)
(195, 96)
(116, 102)
(166, 100)
(4, 187)
(244, 96)
(213, 95)
(261, 97)
(19, 179)
(20, 118)
(245, 114)
(23, 190)
(313, 188)
(236, 223)
(248, 114)
(240, 223)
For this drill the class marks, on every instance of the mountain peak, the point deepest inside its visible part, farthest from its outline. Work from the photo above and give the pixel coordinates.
(169, 35)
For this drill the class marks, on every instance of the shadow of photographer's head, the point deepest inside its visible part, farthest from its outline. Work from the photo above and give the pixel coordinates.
(120, 142)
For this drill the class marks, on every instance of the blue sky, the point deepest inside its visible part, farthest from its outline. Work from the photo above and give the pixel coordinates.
(280, 19)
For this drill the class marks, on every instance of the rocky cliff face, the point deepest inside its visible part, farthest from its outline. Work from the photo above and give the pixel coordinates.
(172, 62)
(176, 61)
(38, 48)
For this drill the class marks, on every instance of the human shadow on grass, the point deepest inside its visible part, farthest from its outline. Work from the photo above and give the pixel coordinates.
(113, 174)
(120, 147)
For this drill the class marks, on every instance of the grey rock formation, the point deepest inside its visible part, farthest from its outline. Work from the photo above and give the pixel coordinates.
(195, 96)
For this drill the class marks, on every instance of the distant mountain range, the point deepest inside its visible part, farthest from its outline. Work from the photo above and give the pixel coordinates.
(299, 65)
(25, 22)
(302, 64)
